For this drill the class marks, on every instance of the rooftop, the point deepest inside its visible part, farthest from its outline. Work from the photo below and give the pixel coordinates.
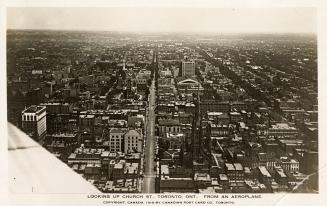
(202, 177)
(116, 130)
(229, 166)
(214, 113)
(68, 135)
(168, 122)
(183, 183)
(223, 177)
(282, 126)
(238, 166)
(264, 171)
(34, 109)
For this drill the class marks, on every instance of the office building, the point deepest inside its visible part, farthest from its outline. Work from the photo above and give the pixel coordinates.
(133, 141)
(188, 69)
(34, 122)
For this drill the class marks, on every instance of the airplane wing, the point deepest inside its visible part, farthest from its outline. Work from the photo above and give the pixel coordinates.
(32, 169)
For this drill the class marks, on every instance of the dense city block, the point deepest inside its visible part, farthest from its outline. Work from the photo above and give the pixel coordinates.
(170, 112)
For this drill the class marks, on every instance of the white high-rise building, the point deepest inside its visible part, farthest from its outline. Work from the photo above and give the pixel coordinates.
(34, 122)
(133, 141)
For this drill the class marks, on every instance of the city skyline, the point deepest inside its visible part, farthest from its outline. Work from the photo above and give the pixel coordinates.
(172, 20)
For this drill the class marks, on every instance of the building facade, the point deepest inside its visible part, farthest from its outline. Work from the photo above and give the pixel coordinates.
(188, 69)
(133, 141)
(116, 140)
(34, 122)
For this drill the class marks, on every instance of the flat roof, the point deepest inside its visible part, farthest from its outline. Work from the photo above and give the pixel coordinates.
(229, 166)
(63, 135)
(264, 171)
(202, 177)
(223, 177)
(214, 113)
(34, 109)
(282, 126)
(86, 116)
(238, 166)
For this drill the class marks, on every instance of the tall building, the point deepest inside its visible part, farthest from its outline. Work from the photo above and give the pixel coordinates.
(133, 141)
(188, 68)
(34, 122)
(116, 139)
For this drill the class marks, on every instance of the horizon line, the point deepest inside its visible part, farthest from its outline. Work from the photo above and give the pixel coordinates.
(169, 32)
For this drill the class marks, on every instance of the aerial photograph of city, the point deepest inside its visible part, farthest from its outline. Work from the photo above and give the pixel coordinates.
(199, 101)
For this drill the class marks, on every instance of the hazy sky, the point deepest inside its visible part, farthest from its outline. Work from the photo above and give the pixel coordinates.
(280, 20)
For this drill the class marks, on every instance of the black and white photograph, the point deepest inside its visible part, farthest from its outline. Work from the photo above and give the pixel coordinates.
(169, 101)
